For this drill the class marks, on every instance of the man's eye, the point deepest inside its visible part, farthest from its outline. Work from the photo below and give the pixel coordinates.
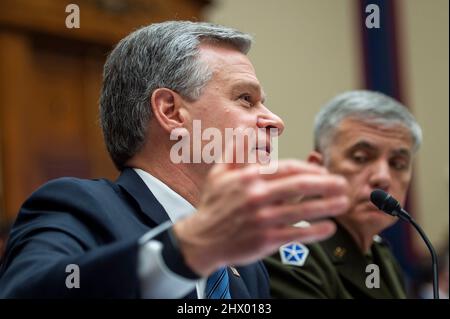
(399, 165)
(247, 98)
(360, 159)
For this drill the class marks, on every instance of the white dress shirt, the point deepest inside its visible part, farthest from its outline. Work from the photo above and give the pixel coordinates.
(157, 280)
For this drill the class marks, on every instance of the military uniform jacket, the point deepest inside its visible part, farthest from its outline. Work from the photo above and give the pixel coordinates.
(334, 269)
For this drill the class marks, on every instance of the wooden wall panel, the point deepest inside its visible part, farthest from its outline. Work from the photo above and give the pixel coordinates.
(102, 21)
(13, 101)
(50, 80)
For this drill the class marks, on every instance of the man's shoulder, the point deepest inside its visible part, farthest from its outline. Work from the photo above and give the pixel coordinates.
(72, 188)
(90, 210)
(297, 256)
(70, 198)
(301, 271)
(75, 183)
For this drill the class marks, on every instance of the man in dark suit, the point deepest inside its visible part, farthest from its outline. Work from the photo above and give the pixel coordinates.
(169, 228)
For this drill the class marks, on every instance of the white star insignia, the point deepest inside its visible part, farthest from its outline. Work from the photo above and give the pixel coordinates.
(294, 253)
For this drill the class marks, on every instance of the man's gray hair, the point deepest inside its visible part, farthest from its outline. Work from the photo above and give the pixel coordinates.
(367, 106)
(162, 55)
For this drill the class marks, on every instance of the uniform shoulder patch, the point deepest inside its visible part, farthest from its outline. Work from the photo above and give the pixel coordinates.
(294, 253)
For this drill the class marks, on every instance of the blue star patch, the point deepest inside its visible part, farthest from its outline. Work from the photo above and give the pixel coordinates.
(294, 254)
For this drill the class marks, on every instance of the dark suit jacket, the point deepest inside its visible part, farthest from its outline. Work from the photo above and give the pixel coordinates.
(94, 224)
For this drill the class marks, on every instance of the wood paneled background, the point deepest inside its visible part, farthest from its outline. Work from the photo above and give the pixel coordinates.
(50, 79)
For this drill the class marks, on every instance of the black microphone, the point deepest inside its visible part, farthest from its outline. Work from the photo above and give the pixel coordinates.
(391, 206)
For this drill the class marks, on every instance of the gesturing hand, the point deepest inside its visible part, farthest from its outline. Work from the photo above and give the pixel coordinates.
(244, 215)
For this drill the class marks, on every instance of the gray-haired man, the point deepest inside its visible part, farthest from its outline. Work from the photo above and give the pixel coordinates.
(169, 229)
(370, 139)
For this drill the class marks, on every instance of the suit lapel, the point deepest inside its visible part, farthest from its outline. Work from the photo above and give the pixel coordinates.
(238, 288)
(134, 186)
(152, 210)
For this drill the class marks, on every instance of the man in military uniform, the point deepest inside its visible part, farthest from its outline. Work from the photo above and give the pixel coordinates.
(370, 139)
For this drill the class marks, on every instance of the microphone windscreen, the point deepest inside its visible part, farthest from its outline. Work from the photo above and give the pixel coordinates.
(384, 201)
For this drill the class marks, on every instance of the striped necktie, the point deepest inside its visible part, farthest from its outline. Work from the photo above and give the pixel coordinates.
(217, 285)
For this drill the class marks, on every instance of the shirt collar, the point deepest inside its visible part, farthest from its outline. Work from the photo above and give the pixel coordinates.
(175, 206)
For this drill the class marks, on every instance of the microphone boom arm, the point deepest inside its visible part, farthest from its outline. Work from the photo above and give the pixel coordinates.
(434, 261)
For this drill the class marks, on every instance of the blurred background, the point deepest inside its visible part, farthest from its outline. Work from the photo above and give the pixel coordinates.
(305, 52)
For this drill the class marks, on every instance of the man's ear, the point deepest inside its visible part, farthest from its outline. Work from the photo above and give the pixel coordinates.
(166, 107)
(316, 158)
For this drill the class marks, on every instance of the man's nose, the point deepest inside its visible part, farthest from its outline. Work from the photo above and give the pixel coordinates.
(381, 175)
(268, 120)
